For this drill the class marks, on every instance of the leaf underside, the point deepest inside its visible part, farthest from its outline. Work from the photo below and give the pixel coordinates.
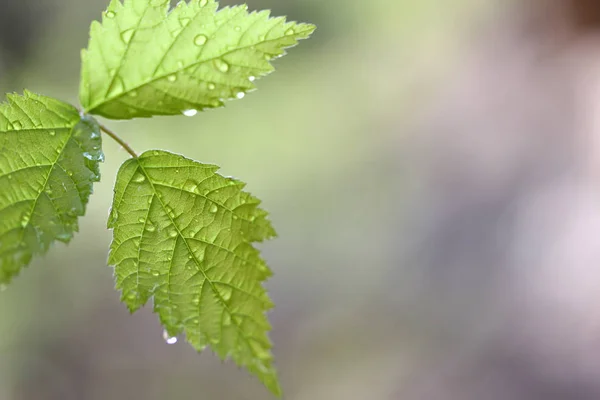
(183, 235)
(145, 60)
(49, 159)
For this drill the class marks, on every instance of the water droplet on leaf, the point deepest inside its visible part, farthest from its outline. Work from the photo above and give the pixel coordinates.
(190, 112)
(24, 221)
(289, 32)
(251, 78)
(126, 36)
(173, 234)
(172, 78)
(169, 339)
(211, 86)
(133, 93)
(199, 40)
(52, 133)
(221, 65)
(139, 178)
(238, 28)
(226, 293)
(110, 14)
(240, 95)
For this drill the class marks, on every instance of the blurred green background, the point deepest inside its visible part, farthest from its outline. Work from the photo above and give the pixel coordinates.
(416, 158)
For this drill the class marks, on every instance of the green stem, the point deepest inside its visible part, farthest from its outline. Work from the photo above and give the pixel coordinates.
(117, 139)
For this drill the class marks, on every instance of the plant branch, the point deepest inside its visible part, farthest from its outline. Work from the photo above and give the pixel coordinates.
(117, 139)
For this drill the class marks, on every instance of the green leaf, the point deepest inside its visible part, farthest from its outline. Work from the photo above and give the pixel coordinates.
(183, 235)
(145, 60)
(49, 157)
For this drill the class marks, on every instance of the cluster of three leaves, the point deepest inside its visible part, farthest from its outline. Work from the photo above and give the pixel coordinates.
(182, 234)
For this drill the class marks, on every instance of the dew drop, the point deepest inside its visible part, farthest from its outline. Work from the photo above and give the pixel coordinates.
(214, 209)
(240, 95)
(235, 217)
(155, 153)
(251, 78)
(150, 228)
(127, 35)
(226, 293)
(190, 113)
(52, 133)
(142, 220)
(238, 28)
(139, 178)
(172, 78)
(169, 339)
(173, 234)
(211, 86)
(17, 125)
(196, 301)
(289, 32)
(24, 221)
(155, 273)
(180, 64)
(261, 38)
(221, 65)
(200, 40)
(110, 14)
(215, 103)
(9, 177)
(133, 93)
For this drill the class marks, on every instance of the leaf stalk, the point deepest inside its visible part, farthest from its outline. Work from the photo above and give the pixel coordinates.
(117, 139)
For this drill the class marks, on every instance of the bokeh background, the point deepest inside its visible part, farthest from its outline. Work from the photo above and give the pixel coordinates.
(433, 170)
